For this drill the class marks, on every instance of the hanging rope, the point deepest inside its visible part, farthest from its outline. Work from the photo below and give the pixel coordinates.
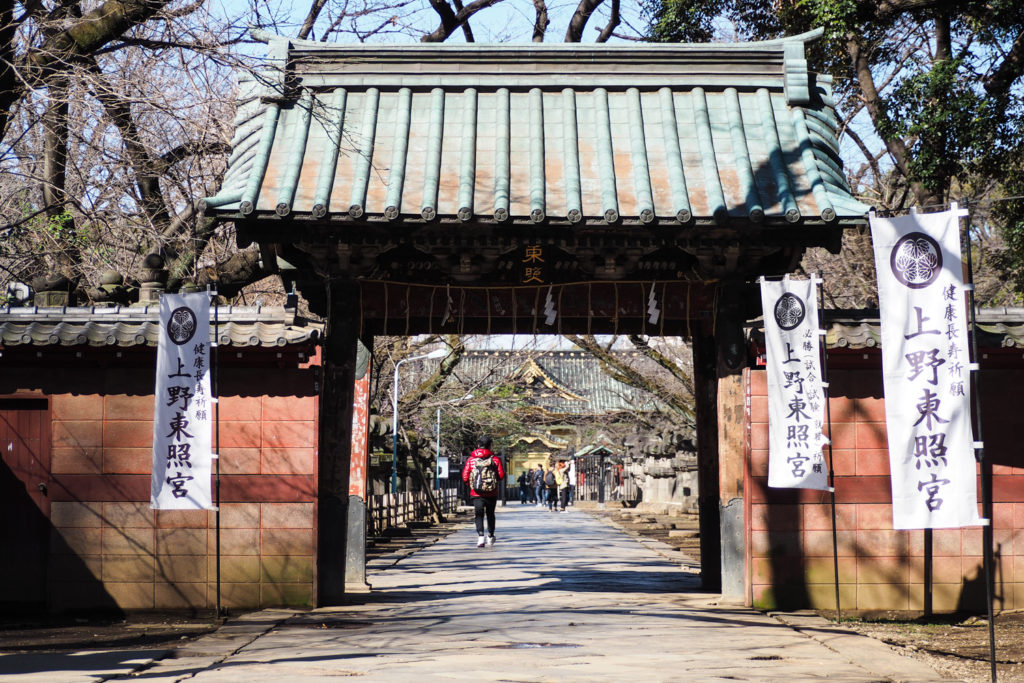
(558, 313)
(408, 309)
(643, 311)
(515, 316)
(537, 307)
(615, 319)
(714, 313)
(664, 309)
(689, 332)
(462, 311)
(590, 306)
(430, 317)
(361, 316)
(386, 309)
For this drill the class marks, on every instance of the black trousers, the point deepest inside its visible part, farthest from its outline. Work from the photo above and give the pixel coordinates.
(483, 505)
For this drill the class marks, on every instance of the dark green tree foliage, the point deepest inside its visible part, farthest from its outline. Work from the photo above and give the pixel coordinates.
(929, 91)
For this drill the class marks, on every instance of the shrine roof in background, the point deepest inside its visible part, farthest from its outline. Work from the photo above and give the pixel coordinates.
(560, 382)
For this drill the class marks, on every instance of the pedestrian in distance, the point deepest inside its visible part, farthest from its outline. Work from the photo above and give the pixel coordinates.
(562, 484)
(551, 489)
(572, 481)
(524, 487)
(538, 485)
(483, 473)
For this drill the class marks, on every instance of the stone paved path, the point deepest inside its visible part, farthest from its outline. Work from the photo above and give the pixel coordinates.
(561, 597)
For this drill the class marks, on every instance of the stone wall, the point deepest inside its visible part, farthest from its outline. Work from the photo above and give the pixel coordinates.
(789, 548)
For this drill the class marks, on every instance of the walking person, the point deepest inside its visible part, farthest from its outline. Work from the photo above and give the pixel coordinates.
(524, 487)
(483, 473)
(572, 481)
(538, 485)
(562, 484)
(551, 489)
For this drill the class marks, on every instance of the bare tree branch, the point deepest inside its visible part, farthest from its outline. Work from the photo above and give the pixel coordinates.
(1009, 70)
(466, 30)
(540, 26)
(613, 22)
(873, 102)
(452, 21)
(578, 23)
(617, 368)
(311, 17)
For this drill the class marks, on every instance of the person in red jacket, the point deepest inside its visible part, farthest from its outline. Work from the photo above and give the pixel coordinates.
(483, 473)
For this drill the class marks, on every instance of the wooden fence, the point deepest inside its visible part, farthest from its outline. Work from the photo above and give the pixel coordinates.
(394, 510)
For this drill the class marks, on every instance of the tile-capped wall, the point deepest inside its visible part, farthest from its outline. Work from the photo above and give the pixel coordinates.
(790, 561)
(109, 549)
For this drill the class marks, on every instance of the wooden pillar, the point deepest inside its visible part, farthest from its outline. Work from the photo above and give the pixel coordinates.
(355, 537)
(719, 359)
(336, 399)
(706, 395)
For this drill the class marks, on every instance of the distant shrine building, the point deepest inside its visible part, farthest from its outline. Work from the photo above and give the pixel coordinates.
(540, 189)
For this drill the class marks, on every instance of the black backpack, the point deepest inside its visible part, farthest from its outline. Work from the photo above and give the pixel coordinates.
(549, 478)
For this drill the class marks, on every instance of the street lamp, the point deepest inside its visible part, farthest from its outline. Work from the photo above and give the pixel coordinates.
(437, 353)
(437, 479)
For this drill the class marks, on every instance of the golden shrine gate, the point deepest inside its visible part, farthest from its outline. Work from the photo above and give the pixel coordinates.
(535, 189)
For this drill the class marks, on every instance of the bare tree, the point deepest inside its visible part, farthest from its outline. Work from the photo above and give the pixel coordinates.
(116, 119)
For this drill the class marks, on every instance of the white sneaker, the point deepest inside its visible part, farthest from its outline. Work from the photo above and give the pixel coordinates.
(490, 540)
(480, 542)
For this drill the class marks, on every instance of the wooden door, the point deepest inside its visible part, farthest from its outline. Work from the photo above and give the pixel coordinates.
(24, 503)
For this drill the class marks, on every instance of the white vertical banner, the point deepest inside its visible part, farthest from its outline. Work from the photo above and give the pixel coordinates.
(925, 368)
(796, 400)
(182, 416)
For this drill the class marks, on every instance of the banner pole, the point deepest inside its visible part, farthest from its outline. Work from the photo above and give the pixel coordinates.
(216, 436)
(828, 422)
(986, 466)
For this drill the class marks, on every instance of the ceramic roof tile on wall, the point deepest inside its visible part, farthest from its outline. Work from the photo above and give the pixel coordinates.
(595, 134)
(997, 327)
(266, 327)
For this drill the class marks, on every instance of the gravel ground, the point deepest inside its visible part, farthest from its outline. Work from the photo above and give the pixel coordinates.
(957, 647)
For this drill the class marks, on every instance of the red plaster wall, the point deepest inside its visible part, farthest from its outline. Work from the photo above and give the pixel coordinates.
(109, 549)
(790, 561)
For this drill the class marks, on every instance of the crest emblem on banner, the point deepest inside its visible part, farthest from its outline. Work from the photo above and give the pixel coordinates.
(789, 311)
(916, 260)
(181, 326)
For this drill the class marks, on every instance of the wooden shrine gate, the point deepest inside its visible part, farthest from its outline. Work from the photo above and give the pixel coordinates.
(635, 189)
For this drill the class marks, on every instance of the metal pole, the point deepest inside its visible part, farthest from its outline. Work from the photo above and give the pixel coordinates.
(828, 421)
(986, 466)
(216, 439)
(437, 460)
(394, 433)
(394, 418)
(929, 572)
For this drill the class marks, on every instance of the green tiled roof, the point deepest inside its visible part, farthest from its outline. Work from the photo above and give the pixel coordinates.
(653, 134)
(562, 382)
